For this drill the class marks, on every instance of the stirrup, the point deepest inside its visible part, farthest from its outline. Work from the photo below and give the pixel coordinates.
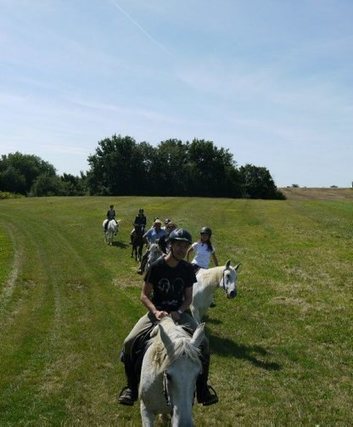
(212, 396)
(127, 396)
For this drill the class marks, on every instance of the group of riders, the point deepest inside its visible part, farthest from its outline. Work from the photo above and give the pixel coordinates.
(167, 291)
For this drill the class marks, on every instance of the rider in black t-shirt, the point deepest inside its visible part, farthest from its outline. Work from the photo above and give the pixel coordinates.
(167, 291)
(140, 221)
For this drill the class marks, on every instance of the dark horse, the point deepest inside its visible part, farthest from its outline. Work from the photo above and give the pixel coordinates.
(137, 242)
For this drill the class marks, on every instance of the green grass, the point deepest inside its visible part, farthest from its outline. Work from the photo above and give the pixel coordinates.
(282, 351)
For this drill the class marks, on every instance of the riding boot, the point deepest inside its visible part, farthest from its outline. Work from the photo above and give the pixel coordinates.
(129, 394)
(205, 394)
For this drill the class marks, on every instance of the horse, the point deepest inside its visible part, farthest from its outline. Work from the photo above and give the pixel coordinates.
(137, 242)
(154, 252)
(169, 371)
(208, 280)
(112, 229)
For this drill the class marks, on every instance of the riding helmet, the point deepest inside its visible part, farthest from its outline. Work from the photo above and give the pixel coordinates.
(206, 230)
(181, 235)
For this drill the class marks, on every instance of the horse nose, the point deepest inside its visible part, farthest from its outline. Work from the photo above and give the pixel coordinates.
(232, 294)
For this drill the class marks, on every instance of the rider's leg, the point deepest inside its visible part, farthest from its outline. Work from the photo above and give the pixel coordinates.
(128, 394)
(205, 394)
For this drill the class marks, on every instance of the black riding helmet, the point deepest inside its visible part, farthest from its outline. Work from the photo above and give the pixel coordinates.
(181, 235)
(206, 230)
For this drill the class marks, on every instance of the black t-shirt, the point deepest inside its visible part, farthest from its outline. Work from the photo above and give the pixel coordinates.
(169, 283)
(140, 220)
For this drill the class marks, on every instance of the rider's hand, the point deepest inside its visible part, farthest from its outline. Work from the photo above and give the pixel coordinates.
(160, 314)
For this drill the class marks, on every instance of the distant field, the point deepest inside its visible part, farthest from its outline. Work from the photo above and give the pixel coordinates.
(318, 193)
(282, 351)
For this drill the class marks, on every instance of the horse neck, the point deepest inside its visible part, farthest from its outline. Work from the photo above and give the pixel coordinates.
(181, 340)
(212, 277)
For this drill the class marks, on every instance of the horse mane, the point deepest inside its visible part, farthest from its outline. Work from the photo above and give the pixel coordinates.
(162, 358)
(211, 276)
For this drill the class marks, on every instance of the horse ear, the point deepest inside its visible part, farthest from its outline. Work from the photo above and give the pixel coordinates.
(154, 331)
(167, 342)
(228, 264)
(237, 266)
(198, 336)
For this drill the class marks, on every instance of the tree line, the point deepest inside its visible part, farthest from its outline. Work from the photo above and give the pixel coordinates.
(121, 166)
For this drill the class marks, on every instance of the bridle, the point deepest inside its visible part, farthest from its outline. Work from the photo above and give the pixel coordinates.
(223, 280)
(165, 390)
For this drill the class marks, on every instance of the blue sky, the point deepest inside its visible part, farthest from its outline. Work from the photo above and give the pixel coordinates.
(270, 80)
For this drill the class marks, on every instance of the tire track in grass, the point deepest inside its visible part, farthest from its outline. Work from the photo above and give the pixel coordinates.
(25, 326)
(10, 283)
(60, 358)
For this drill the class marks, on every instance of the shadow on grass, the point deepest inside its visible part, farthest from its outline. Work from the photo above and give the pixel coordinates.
(211, 321)
(254, 354)
(120, 245)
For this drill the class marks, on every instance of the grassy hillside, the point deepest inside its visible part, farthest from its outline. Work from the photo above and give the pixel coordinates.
(282, 351)
(302, 193)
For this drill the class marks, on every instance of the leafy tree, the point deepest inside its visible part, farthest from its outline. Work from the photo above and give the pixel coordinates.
(121, 166)
(12, 180)
(117, 167)
(170, 162)
(212, 171)
(257, 183)
(19, 171)
(73, 185)
(47, 185)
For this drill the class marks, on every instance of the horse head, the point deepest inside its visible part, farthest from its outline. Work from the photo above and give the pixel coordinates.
(170, 368)
(229, 280)
(181, 369)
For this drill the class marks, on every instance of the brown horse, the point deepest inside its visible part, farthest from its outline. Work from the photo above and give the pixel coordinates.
(137, 242)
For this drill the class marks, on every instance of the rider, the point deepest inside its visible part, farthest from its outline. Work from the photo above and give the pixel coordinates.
(167, 291)
(203, 249)
(164, 241)
(111, 214)
(151, 236)
(140, 221)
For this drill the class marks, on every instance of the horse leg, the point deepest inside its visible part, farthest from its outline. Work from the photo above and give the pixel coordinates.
(147, 417)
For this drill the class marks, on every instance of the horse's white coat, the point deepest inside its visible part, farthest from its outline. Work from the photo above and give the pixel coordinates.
(171, 363)
(154, 253)
(208, 280)
(112, 228)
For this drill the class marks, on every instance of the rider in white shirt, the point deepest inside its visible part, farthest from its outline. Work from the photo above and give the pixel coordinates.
(203, 249)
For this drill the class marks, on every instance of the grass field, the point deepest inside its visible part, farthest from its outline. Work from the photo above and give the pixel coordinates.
(282, 351)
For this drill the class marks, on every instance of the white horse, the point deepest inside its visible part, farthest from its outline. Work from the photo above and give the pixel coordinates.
(154, 252)
(170, 368)
(208, 280)
(112, 229)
